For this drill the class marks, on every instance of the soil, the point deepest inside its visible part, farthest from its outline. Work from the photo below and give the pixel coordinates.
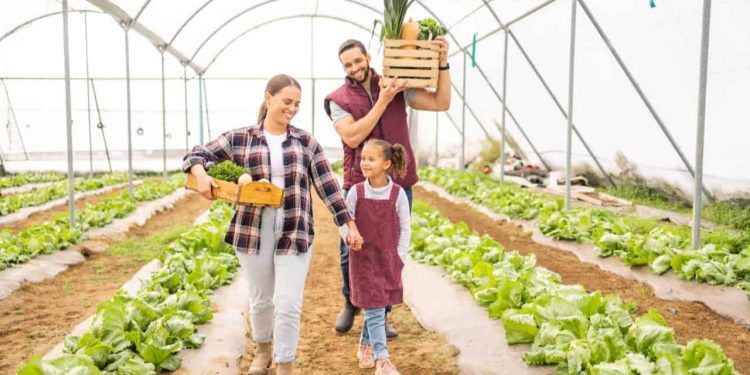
(39, 315)
(323, 351)
(690, 320)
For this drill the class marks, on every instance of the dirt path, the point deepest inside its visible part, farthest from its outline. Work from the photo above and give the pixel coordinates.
(322, 351)
(39, 315)
(691, 320)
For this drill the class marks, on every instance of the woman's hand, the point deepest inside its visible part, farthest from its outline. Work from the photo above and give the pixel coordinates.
(205, 182)
(354, 240)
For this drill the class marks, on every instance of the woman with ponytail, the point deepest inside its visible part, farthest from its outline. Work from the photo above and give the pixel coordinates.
(381, 211)
(274, 244)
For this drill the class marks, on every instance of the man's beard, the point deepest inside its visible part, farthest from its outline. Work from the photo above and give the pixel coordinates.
(367, 74)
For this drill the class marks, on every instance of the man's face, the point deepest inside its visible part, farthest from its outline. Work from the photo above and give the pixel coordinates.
(356, 64)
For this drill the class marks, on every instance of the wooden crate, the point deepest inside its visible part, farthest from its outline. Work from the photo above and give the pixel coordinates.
(418, 66)
(256, 193)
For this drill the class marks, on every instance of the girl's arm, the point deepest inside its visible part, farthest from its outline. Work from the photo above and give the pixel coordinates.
(404, 220)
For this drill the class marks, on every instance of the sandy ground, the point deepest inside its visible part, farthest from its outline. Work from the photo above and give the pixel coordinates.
(322, 351)
(39, 315)
(691, 320)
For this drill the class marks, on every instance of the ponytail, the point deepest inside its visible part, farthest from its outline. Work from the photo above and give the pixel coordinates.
(396, 154)
(262, 112)
(399, 161)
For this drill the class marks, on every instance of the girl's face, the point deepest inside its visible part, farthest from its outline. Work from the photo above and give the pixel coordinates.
(283, 106)
(373, 162)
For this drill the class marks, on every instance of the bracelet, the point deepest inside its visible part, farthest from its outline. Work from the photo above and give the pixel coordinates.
(446, 67)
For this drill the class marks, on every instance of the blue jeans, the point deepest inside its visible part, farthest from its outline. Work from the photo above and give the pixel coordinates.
(344, 252)
(373, 332)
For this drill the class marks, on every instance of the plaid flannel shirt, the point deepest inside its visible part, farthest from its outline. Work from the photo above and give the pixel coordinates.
(305, 164)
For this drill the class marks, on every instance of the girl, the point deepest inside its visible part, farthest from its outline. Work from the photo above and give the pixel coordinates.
(273, 244)
(381, 211)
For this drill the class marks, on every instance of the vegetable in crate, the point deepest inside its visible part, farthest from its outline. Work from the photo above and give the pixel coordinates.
(429, 29)
(226, 171)
(393, 18)
(410, 30)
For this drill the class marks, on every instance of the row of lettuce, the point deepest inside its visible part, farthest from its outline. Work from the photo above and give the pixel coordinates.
(581, 332)
(722, 259)
(144, 334)
(29, 178)
(14, 202)
(48, 237)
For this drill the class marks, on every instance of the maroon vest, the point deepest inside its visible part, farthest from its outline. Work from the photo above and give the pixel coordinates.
(391, 127)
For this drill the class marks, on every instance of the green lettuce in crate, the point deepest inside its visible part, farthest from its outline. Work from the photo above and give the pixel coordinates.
(226, 171)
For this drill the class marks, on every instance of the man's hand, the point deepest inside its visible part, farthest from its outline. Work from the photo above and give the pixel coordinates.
(441, 45)
(389, 92)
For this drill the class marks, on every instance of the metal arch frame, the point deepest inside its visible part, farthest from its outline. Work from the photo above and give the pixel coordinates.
(140, 11)
(486, 80)
(47, 15)
(509, 33)
(227, 22)
(200, 9)
(456, 89)
(129, 23)
(278, 19)
(363, 5)
(507, 24)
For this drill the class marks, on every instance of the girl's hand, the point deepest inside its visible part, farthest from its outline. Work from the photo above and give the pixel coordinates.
(354, 239)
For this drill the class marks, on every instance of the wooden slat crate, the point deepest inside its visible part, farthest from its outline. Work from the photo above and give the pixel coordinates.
(418, 66)
(256, 193)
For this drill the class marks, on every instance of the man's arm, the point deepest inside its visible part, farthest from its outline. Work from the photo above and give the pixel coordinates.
(439, 100)
(353, 133)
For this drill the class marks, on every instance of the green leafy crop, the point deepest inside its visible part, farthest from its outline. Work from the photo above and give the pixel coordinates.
(226, 171)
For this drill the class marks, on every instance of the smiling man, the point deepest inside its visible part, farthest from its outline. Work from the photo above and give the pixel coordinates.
(361, 109)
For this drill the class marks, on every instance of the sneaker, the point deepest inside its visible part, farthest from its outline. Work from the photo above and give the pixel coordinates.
(385, 367)
(364, 354)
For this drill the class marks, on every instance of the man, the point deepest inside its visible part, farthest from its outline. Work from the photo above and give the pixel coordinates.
(360, 110)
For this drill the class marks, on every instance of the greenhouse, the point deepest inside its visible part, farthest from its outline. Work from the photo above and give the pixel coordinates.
(358, 186)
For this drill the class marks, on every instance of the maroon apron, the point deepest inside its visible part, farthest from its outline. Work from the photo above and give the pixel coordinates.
(375, 270)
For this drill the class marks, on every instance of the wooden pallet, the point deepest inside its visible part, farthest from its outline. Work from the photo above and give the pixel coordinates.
(418, 66)
(256, 193)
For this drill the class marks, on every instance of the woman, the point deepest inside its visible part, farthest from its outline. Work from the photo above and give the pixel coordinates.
(273, 244)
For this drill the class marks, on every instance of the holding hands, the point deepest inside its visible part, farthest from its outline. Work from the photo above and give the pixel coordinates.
(353, 239)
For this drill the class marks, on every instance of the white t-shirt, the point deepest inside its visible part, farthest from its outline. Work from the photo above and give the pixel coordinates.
(273, 217)
(277, 157)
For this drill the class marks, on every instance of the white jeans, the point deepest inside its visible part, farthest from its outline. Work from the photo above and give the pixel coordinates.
(276, 282)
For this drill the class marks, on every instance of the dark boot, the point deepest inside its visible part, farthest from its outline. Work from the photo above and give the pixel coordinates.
(390, 332)
(345, 320)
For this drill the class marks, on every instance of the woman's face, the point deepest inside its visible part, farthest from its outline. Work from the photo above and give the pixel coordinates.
(283, 106)
(373, 162)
